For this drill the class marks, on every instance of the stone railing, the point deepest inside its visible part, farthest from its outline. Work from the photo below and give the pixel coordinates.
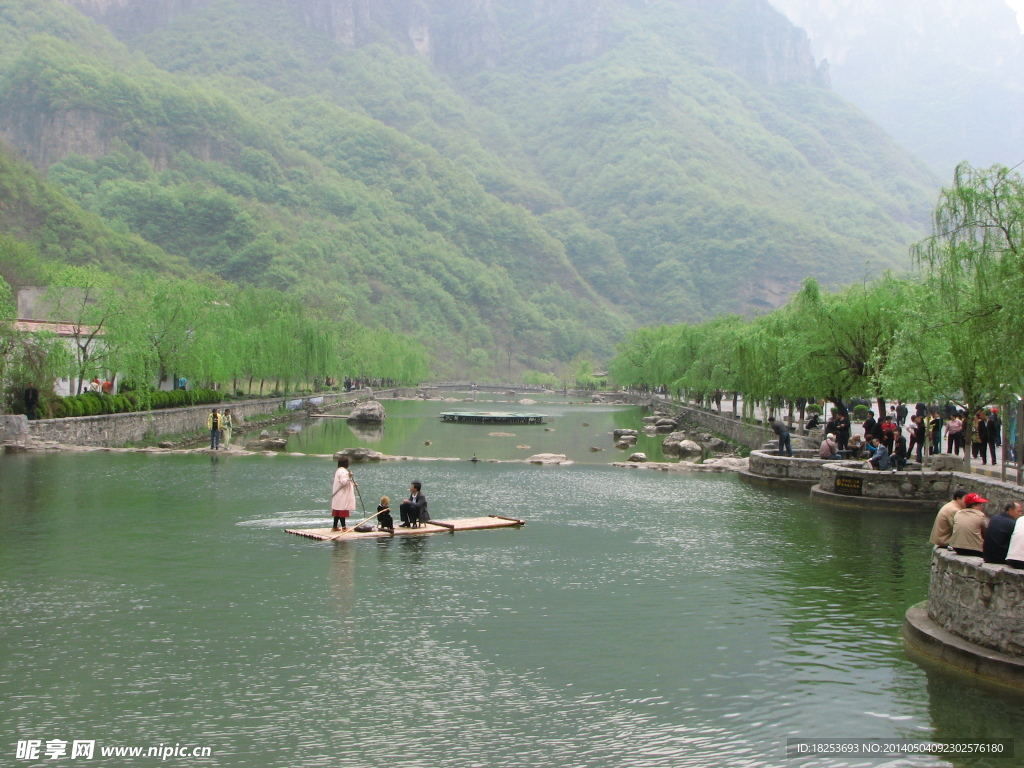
(979, 602)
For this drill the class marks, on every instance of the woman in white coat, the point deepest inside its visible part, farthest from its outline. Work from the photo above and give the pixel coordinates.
(343, 495)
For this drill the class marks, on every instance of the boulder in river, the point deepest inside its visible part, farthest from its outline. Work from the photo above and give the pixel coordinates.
(549, 458)
(359, 454)
(368, 412)
(678, 444)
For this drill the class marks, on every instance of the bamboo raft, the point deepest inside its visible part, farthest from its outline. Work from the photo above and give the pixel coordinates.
(434, 526)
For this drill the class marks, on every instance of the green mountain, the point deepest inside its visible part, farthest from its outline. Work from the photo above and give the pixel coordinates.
(516, 181)
(41, 227)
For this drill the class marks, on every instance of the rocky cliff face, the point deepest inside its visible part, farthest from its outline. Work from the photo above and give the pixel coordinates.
(767, 48)
(760, 43)
(45, 138)
(135, 16)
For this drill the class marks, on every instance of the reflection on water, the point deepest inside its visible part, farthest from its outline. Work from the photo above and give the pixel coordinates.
(638, 619)
(367, 433)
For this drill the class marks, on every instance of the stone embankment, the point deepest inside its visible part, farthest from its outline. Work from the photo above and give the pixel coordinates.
(120, 429)
(124, 429)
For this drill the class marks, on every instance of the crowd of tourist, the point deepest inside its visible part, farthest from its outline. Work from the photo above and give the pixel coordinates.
(897, 437)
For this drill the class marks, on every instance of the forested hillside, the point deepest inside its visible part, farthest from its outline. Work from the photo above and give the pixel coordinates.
(517, 182)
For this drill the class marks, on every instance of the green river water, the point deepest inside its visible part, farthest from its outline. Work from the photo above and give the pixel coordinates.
(640, 618)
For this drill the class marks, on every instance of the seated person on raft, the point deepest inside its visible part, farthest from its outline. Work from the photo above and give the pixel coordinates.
(413, 510)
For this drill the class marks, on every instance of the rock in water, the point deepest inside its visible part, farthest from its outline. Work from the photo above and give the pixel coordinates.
(549, 458)
(368, 412)
(359, 454)
(677, 444)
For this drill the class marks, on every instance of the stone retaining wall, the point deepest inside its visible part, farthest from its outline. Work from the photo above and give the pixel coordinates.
(978, 601)
(909, 486)
(118, 429)
(725, 424)
(919, 486)
(13, 428)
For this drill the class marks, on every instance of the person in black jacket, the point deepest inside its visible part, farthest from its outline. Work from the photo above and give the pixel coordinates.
(999, 531)
(995, 432)
(32, 402)
(413, 510)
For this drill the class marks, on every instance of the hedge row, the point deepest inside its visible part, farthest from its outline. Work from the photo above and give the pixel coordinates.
(93, 404)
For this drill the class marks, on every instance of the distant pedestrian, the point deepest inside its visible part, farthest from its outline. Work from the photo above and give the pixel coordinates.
(213, 423)
(779, 428)
(979, 438)
(954, 434)
(917, 430)
(935, 432)
(869, 426)
(226, 425)
(995, 432)
(842, 430)
(32, 402)
(901, 414)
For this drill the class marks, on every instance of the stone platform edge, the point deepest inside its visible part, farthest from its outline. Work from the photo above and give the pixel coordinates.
(922, 635)
(774, 482)
(874, 502)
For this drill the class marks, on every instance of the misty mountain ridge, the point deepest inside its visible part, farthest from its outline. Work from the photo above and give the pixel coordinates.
(945, 78)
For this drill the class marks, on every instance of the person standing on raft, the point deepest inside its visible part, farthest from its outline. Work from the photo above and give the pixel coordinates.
(343, 495)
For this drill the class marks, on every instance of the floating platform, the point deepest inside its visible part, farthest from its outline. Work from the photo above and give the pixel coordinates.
(490, 417)
(434, 526)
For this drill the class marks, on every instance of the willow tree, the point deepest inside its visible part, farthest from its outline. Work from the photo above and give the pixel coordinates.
(844, 339)
(768, 369)
(638, 360)
(26, 357)
(163, 330)
(968, 321)
(86, 299)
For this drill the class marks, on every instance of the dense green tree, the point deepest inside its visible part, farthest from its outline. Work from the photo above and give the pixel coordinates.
(87, 301)
(842, 341)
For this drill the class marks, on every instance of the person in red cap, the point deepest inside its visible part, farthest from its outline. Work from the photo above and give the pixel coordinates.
(969, 526)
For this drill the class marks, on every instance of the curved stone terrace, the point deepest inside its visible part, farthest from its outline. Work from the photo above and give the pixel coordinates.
(972, 620)
(802, 469)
